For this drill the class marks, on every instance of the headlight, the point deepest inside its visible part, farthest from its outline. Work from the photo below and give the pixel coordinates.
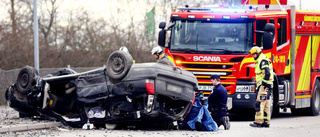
(245, 88)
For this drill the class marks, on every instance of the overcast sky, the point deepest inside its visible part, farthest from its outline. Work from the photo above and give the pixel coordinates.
(103, 8)
(305, 4)
(101, 5)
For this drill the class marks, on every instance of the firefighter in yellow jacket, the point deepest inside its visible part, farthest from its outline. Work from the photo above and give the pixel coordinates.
(161, 57)
(264, 82)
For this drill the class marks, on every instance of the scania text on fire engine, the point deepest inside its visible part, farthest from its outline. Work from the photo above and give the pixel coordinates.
(206, 58)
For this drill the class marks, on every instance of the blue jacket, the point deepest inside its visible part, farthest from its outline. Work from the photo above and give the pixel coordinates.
(217, 100)
(199, 113)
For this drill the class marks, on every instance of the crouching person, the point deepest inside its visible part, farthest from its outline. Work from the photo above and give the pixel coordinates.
(217, 101)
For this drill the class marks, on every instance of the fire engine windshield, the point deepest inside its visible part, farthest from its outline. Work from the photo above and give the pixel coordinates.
(211, 38)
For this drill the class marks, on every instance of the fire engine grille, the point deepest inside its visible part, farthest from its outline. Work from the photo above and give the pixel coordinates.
(208, 66)
(204, 70)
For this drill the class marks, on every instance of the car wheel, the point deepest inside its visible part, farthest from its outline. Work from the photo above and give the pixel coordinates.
(25, 80)
(7, 94)
(118, 65)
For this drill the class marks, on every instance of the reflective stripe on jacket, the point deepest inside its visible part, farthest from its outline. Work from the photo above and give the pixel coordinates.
(163, 58)
(258, 70)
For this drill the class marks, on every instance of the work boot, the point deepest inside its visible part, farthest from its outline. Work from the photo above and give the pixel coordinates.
(225, 122)
(198, 126)
(254, 124)
(266, 125)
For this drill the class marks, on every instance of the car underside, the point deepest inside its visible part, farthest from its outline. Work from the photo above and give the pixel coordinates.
(118, 93)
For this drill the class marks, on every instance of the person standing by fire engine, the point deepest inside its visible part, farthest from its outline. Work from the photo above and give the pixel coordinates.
(217, 101)
(264, 82)
(161, 57)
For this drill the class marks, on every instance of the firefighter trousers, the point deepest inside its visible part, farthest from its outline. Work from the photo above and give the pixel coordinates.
(262, 106)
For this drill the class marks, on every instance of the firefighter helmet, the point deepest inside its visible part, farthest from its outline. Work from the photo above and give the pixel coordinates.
(123, 48)
(156, 49)
(255, 49)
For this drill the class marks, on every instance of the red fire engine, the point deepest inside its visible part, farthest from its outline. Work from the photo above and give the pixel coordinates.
(217, 40)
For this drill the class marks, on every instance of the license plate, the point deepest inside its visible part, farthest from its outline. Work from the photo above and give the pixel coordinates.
(174, 88)
(205, 87)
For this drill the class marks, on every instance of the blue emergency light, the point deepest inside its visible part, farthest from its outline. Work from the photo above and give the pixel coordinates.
(215, 10)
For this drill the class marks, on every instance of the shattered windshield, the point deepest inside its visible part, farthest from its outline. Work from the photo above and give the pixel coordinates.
(211, 38)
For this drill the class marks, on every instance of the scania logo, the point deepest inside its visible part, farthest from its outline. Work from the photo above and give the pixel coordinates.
(206, 58)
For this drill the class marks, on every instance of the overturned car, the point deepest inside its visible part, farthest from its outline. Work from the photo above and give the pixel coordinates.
(119, 92)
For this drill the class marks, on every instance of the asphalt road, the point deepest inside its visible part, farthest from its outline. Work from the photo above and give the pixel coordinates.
(284, 125)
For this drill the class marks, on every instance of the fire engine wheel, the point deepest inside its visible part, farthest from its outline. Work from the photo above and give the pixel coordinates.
(271, 103)
(25, 80)
(118, 65)
(274, 108)
(315, 100)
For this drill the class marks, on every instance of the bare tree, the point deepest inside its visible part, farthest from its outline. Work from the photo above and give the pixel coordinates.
(51, 7)
(15, 37)
(13, 17)
(84, 41)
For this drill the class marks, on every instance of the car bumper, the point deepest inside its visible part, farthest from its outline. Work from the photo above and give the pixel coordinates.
(243, 100)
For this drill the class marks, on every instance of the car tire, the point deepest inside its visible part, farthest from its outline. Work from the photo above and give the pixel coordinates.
(7, 94)
(25, 80)
(118, 65)
(19, 104)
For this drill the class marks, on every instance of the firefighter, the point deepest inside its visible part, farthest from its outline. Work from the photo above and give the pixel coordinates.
(264, 82)
(217, 101)
(161, 57)
(125, 49)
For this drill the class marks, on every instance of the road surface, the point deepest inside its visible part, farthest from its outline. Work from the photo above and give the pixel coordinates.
(285, 125)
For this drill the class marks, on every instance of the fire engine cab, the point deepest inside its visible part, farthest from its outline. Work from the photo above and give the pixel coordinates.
(217, 40)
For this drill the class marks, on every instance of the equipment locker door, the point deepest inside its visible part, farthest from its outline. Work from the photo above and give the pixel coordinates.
(303, 62)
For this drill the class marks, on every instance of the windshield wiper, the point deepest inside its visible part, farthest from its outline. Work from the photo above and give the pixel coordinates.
(224, 50)
(186, 50)
(249, 39)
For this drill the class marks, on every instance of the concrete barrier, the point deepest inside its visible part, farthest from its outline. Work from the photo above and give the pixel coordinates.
(27, 127)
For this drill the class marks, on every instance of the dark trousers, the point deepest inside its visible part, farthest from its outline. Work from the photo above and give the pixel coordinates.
(217, 115)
